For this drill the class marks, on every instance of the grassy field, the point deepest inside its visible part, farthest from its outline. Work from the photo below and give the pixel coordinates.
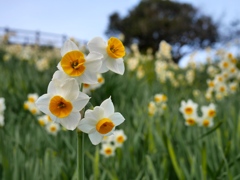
(158, 146)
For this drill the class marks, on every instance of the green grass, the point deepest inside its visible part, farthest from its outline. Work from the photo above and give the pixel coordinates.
(159, 147)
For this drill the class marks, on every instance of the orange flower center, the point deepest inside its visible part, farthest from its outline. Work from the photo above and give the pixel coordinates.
(190, 121)
(25, 106)
(233, 70)
(86, 85)
(73, 63)
(211, 113)
(211, 84)
(33, 111)
(222, 89)
(31, 99)
(100, 80)
(41, 122)
(53, 128)
(60, 107)
(225, 64)
(120, 139)
(157, 99)
(104, 126)
(188, 110)
(115, 48)
(108, 151)
(233, 88)
(206, 123)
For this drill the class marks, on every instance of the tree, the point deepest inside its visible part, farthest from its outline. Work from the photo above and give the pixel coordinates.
(153, 20)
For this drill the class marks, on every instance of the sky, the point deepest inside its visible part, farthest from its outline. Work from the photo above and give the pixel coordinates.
(87, 19)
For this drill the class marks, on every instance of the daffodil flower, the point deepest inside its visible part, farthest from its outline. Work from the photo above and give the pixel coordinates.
(63, 102)
(113, 52)
(101, 121)
(188, 108)
(206, 121)
(209, 111)
(107, 150)
(76, 65)
(119, 138)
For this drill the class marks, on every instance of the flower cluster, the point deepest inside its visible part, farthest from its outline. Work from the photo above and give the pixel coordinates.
(88, 88)
(30, 105)
(189, 112)
(64, 102)
(2, 109)
(43, 120)
(112, 142)
(158, 105)
(101, 121)
(226, 81)
(50, 126)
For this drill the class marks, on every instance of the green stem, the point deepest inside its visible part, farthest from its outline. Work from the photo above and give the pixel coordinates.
(80, 155)
(80, 148)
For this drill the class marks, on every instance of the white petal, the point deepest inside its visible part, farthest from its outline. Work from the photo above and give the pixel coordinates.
(104, 67)
(117, 118)
(53, 86)
(60, 75)
(68, 46)
(54, 118)
(97, 113)
(108, 107)
(87, 125)
(97, 44)
(116, 65)
(80, 102)
(93, 65)
(88, 77)
(94, 56)
(70, 89)
(59, 66)
(70, 122)
(42, 103)
(95, 137)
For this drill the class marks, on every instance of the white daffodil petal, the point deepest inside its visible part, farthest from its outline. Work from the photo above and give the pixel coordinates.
(117, 118)
(60, 75)
(70, 89)
(95, 138)
(104, 67)
(53, 86)
(80, 102)
(108, 107)
(68, 46)
(116, 66)
(93, 65)
(54, 118)
(97, 44)
(96, 114)
(71, 121)
(42, 103)
(86, 125)
(59, 66)
(94, 56)
(88, 78)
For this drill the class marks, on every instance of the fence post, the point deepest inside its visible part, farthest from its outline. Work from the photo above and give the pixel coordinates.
(64, 38)
(37, 38)
(6, 36)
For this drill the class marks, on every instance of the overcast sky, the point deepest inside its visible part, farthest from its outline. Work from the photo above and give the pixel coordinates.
(87, 19)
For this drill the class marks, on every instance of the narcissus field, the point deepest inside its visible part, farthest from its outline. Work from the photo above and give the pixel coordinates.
(106, 111)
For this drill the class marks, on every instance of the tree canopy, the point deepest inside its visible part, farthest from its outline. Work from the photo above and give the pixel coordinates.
(153, 20)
